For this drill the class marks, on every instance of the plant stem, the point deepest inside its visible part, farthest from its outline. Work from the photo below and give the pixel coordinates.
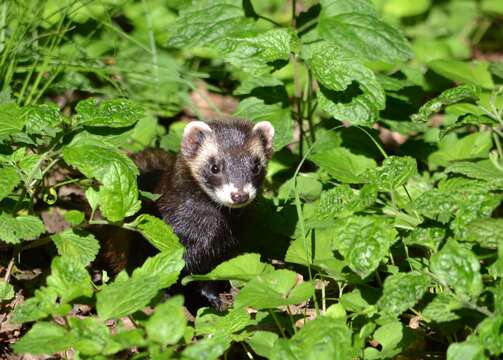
(276, 321)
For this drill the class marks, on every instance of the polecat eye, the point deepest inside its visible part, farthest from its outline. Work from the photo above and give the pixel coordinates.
(215, 169)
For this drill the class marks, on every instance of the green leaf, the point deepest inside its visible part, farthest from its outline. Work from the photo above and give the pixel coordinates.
(244, 268)
(69, 278)
(210, 348)
(9, 179)
(389, 337)
(308, 187)
(273, 289)
(440, 309)
(209, 321)
(262, 343)
(349, 91)
(74, 217)
(459, 268)
(91, 336)
(321, 339)
(490, 334)
(167, 324)
(15, 229)
(492, 6)
(118, 195)
(343, 201)
(344, 165)
(483, 170)
(401, 291)
(11, 121)
(281, 119)
(403, 9)
(82, 247)
(172, 140)
(362, 34)
(116, 113)
(395, 171)
(157, 232)
(447, 97)
(469, 147)
(45, 302)
(430, 237)
(487, 233)
(363, 241)
(465, 351)
(6, 291)
(44, 119)
(475, 73)
(45, 338)
(165, 266)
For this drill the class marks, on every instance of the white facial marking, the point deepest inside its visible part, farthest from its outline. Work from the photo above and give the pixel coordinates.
(250, 189)
(223, 195)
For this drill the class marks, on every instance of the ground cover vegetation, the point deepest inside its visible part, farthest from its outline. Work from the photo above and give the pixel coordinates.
(379, 233)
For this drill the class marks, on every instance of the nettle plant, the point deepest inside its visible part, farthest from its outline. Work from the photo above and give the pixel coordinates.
(399, 253)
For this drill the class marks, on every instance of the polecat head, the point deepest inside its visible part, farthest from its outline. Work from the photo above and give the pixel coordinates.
(228, 158)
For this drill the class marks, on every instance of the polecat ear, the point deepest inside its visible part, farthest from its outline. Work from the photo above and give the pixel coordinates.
(265, 131)
(193, 136)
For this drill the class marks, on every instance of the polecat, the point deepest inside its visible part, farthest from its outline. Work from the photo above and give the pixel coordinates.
(206, 188)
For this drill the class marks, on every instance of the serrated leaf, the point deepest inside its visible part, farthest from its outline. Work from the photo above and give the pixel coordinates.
(165, 266)
(344, 165)
(430, 237)
(15, 229)
(45, 302)
(210, 348)
(44, 338)
(209, 321)
(447, 97)
(363, 241)
(355, 28)
(401, 291)
(91, 336)
(349, 91)
(395, 171)
(321, 339)
(118, 195)
(262, 343)
(459, 268)
(167, 324)
(389, 337)
(281, 119)
(6, 291)
(308, 187)
(74, 217)
(343, 201)
(11, 121)
(69, 278)
(116, 113)
(9, 179)
(244, 267)
(475, 73)
(440, 309)
(487, 233)
(43, 119)
(483, 170)
(82, 247)
(157, 232)
(490, 334)
(273, 289)
(467, 350)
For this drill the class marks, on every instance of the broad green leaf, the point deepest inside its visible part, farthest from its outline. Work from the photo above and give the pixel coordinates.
(448, 97)
(244, 267)
(6, 291)
(475, 73)
(389, 337)
(308, 187)
(344, 165)
(483, 170)
(116, 113)
(9, 179)
(459, 268)
(210, 322)
(167, 324)
(172, 140)
(321, 339)
(343, 201)
(430, 237)
(257, 110)
(92, 337)
(210, 348)
(157, 232)
(45, 302)
(362, 34)
(45, 338)
(401, 8)
(469, 147)
(11, 121)
(273, 289)
(165, 266)
(401, 291)
(338, 7)
(490, 334)
(42, 119)
(118, 195)
(467, 350)
(15, 229)
(487, 233)
(81, 247)
(74, 217)
(436, 205)
(353, 301)
(349, 91)
(395, 171)
(69, 278)
(262, 343)
(363, 241)
(440, 309)
(492, 6)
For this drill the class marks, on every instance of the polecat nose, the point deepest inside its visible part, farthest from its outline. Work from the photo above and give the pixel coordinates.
(240, 197)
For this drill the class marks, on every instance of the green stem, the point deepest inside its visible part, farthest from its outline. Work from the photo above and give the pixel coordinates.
(276, 321)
